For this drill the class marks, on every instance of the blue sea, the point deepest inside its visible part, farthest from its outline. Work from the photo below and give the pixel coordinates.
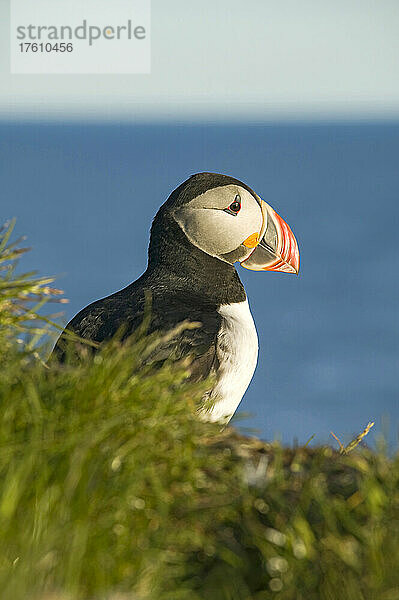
(85, 195)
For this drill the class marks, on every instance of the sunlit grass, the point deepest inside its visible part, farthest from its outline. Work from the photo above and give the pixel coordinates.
(111, 487)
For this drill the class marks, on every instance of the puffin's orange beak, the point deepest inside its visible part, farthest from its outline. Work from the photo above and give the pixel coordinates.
(252, 241)
(277, 248)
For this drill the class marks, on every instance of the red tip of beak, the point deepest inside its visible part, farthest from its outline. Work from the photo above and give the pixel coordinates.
(288, 259)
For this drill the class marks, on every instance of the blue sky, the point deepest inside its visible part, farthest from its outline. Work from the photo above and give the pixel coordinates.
(230, 60)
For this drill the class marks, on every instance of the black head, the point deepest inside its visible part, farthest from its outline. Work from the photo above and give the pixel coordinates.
(221, 218)
(198, 184)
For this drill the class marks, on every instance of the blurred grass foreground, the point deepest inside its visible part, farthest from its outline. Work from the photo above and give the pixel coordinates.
(112, 488)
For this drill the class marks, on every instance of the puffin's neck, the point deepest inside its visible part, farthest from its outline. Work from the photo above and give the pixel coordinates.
(187, 269)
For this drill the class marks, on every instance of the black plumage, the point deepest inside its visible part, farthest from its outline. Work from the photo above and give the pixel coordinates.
(182, 282)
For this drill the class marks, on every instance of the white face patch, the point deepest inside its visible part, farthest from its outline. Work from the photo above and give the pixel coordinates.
(208, 226)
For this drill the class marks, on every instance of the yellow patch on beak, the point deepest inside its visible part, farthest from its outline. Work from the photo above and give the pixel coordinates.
(252, 240)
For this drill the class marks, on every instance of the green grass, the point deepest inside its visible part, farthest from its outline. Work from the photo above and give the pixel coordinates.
(111, 487)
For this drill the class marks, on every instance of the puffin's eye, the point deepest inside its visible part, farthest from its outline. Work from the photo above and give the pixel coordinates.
(235, 206)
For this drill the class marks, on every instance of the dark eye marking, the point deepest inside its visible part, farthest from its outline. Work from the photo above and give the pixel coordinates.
(234, 207)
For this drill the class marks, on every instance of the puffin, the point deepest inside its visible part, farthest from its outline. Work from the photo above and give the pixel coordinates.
(208, 224)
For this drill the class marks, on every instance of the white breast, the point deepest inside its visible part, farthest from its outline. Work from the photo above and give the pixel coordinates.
(237, 351)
